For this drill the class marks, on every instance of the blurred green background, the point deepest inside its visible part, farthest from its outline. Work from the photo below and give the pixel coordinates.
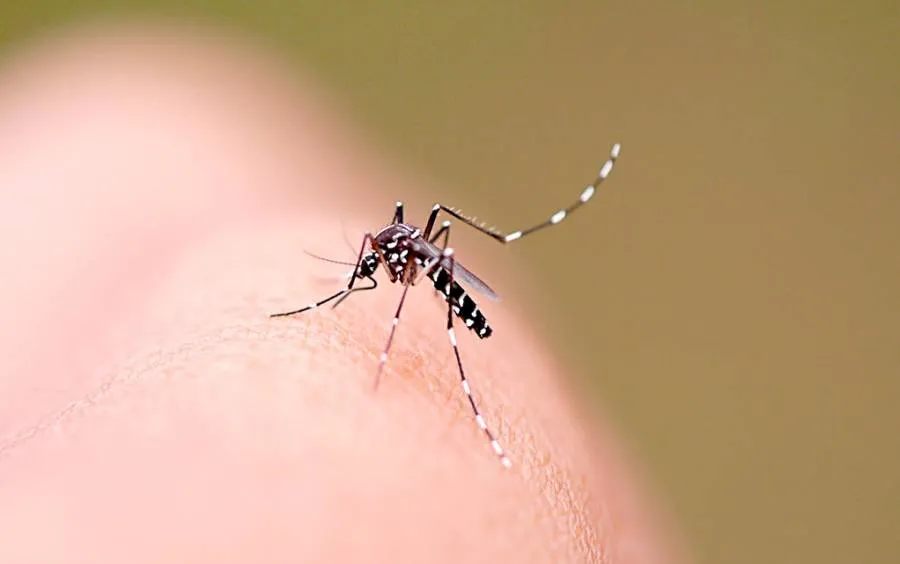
(733, 301)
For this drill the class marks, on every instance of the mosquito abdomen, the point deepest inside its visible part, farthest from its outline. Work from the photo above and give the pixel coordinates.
(461, 302)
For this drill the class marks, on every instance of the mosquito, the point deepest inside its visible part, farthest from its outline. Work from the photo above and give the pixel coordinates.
(409, 254)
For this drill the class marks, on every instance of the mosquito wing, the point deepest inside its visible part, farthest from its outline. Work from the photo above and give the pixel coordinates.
(460, 273)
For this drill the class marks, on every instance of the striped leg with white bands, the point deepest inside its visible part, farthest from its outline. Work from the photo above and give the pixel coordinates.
(451, 333)
(554, 219)
(387, 348)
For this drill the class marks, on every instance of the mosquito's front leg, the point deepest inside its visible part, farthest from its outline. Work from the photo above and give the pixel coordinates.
(394, 323)
(342, 294)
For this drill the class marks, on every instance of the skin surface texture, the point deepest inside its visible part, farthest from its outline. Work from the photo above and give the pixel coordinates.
(159, 185)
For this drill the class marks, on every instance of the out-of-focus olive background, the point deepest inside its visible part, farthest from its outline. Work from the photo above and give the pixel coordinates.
(732, 299)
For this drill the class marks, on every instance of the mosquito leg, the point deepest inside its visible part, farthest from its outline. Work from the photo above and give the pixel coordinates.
(398, 213)
(557, 217)
(343, 294)
(445, 231)
(448, 253)
(429, 225)
(387, 348)
(431, 264)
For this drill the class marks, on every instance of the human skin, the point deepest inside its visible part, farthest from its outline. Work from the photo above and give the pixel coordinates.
(159, 185)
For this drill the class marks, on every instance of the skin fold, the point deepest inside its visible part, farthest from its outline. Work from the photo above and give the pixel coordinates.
(159, 184)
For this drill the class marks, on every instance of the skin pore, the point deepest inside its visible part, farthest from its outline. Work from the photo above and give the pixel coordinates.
(159, 186)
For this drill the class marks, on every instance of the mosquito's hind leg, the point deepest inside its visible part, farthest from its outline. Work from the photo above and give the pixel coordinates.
(557, 217)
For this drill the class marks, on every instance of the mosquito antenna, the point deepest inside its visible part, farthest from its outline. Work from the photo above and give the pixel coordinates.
(344, 235)
(332, 261)
(346, 240)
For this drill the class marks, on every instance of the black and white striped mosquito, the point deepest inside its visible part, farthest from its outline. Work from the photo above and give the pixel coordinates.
(409, 254)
